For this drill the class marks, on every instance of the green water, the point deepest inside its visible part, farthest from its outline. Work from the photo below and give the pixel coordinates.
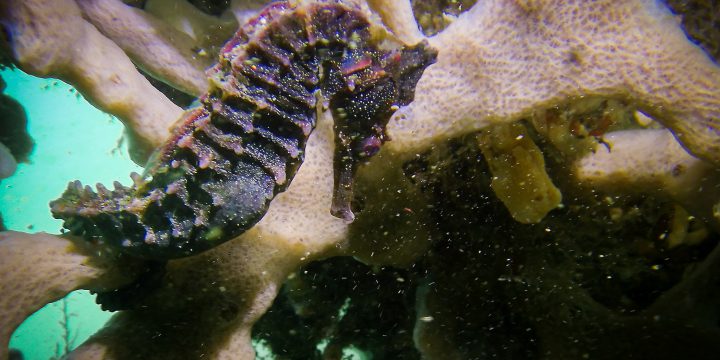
(73, 141)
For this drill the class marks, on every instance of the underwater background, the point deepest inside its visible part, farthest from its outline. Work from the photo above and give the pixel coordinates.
(73, 140)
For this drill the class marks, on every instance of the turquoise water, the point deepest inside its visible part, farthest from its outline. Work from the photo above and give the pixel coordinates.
(74, 140)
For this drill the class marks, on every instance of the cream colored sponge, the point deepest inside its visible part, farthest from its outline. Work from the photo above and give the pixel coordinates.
(503, 58)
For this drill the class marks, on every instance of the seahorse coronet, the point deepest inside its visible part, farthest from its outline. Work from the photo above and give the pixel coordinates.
(215, 177)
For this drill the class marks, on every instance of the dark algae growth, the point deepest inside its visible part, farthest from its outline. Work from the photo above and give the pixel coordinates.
(227, 159)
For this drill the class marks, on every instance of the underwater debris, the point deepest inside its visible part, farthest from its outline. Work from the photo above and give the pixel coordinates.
(497, 288)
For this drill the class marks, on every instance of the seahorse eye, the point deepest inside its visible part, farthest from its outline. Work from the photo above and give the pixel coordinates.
(369, 146)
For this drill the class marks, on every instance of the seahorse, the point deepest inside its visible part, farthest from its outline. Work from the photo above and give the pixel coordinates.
(228, 158)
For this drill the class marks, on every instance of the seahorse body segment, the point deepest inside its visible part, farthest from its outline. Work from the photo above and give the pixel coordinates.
(226, 160)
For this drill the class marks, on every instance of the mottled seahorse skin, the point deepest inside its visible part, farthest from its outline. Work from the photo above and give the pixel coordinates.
(227, 159)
